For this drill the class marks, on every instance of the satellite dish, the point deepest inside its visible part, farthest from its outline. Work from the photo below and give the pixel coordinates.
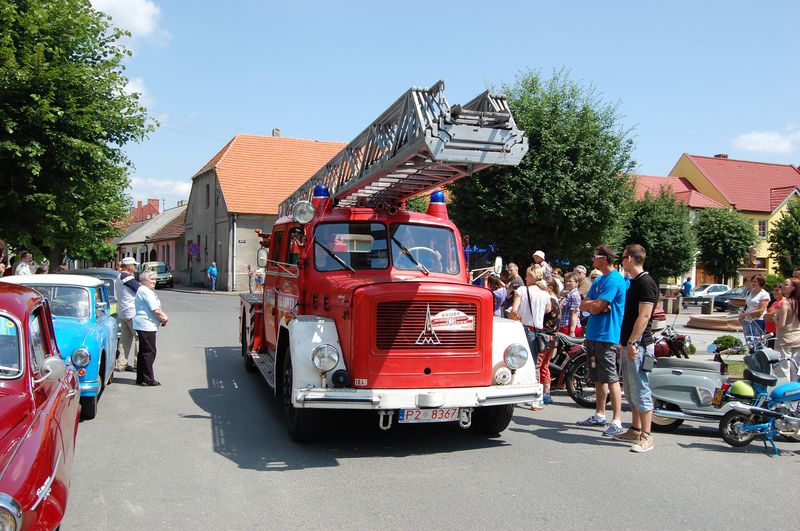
(498, 266)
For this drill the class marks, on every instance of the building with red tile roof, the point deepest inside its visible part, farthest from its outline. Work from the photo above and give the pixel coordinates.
(758, 190)
(680, 187)
(238, 191)
(143, 212)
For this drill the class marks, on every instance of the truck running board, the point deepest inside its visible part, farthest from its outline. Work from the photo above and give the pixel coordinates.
(265, 367)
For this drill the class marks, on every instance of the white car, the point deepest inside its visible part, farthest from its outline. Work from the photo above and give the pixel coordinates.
(706, 291)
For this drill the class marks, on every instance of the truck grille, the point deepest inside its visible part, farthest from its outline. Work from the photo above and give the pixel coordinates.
(399, 326)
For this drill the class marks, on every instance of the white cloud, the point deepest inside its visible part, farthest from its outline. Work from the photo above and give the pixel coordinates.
(137, 85)
(787, 141)
(140, 17)
(169, 192)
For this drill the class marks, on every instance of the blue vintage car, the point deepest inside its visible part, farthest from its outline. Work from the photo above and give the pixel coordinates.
(86, 332)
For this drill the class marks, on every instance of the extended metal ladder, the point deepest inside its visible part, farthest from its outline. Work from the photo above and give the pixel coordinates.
(416, 145)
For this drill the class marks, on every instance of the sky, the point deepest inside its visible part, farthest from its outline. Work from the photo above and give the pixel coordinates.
(698, 77)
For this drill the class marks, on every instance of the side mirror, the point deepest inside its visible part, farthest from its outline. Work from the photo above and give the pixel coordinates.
(261, 257)
(53, 369)
(711, 348)
(101, 308)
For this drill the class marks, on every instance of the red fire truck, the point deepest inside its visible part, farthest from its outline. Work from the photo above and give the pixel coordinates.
(367, 305)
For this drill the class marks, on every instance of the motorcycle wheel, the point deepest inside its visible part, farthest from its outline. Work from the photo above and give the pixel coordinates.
(728, 427)
(579, 387)
(664, 424)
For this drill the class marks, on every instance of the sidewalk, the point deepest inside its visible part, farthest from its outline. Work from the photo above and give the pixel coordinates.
(198, 290)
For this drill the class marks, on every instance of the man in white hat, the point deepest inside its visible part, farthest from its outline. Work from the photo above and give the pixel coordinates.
(127, 310)
(538, 258)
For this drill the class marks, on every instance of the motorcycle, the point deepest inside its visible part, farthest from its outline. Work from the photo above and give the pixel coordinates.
(580, 388)
(757, 411)
(670, 343)
(567, 349)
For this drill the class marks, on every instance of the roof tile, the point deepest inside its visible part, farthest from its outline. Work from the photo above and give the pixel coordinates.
(681, 187)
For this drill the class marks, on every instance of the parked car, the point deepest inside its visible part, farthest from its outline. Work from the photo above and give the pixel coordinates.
(110, 278)
(39, 409)
(723, 302)
(163, 273)
(705, 291)
(86, 331)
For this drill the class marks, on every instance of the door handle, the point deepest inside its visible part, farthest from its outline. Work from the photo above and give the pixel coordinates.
(71, 393)
(677, 371)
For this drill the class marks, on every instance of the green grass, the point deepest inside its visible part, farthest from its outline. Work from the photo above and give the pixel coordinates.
(735, 368)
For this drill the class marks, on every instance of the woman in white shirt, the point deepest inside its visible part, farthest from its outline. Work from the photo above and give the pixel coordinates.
(752, 318)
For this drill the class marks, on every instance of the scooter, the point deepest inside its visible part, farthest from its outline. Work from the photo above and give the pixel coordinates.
(757, 411)
(688, 389)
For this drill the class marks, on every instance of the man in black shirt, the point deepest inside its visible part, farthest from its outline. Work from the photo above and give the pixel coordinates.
(514, 282)
(638, 355)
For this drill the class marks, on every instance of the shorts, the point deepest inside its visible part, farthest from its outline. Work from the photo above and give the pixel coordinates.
(637, 381)
(602, 361)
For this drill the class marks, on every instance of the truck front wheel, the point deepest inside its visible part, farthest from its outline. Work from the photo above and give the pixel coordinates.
(491, 420)
(303, 424)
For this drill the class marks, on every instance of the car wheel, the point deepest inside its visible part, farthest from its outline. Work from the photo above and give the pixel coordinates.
(88, 407)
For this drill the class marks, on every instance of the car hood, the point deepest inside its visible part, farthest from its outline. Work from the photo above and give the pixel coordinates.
(14, 407)
(70, 333)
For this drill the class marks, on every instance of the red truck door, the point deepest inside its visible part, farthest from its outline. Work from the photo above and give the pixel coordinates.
(272, 283)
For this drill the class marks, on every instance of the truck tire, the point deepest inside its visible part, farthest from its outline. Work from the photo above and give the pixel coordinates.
(303, 424)
(492, 420)
(249, 364)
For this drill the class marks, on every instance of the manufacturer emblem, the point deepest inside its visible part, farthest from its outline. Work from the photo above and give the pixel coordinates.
(428, 335)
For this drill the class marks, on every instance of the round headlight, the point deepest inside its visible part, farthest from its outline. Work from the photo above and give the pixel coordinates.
(10, 513)
(687, 342)
(303, 212)
(515, 356)
(81, 357)
(325, 357)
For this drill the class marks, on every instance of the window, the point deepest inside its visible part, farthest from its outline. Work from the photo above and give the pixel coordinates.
(38, 352)
(762, 229)
(432, 247)
(359, 245)
(10, 360)
(208, 196)
(205, 247)
(276, 246)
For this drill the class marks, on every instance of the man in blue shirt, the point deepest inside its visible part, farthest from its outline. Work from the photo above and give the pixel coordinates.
(605, 303)
(686, 291)
(211, 273)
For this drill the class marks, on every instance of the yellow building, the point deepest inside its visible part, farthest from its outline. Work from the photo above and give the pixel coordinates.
(758, 190)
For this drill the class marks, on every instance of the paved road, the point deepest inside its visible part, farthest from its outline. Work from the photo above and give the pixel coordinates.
(208, 450)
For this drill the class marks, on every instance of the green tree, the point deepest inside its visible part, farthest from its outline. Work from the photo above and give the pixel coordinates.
(64, 117)
(723, 237)
(569, 193)
(418, 203)
(662, 226)
(784, 239)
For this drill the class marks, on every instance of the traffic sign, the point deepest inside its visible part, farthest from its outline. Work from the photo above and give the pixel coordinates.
(194, 249)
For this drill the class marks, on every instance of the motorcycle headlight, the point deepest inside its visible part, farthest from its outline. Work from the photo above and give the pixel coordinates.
(325, 357)
(515, 356)
(687, 342)
(81, 357)
(10, 513)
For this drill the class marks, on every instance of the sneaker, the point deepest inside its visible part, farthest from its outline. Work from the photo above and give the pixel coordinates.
(592, 421)
(645, 444)
(613, 430)
(629, 436)
(547, 399)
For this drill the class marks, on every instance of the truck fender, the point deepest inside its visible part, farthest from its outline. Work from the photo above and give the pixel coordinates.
(305, 333)
(506, 333)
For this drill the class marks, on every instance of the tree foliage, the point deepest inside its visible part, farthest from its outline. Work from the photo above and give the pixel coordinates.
(662, 226)
(784, 239)
(723, 237)
(418, 203)
(64, 117)
(570, 192)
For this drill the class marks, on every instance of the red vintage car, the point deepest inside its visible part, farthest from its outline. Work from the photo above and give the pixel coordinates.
(39, 411)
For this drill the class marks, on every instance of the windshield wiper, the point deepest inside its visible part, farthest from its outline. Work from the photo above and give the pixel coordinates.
(333, 255)
(406, 252)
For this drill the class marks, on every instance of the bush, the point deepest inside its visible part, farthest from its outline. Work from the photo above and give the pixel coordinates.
(770, 280)
(726, 342)
(692, 349)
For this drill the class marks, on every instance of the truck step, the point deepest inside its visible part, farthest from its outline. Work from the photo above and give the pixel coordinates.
(265, 366)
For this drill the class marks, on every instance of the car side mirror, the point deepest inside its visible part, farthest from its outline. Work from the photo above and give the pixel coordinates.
(101, 308)
(53, 369)
(711, 348)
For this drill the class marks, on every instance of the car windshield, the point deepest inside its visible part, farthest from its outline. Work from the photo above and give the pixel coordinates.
(10, 359)
(67, 301)
(339, 246)
(158, 268)
(423, 246)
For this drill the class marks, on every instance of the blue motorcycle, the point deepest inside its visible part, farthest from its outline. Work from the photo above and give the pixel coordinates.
(767, 413)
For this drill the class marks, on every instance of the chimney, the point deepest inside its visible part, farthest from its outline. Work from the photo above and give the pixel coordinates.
(276, 132)
(721, 156)
(181, 202)
(153, 203)
(139, 205)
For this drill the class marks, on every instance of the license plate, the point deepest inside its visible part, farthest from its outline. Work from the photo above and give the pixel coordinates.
(717, 401)
(408, 416)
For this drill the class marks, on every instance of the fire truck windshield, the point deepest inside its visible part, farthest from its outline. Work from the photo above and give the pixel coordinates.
(339, 246)
(433, 248)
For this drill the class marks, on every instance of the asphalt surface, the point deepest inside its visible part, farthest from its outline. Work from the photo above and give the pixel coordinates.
(208, 450)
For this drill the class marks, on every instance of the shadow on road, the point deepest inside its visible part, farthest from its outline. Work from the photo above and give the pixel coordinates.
(248, 427)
